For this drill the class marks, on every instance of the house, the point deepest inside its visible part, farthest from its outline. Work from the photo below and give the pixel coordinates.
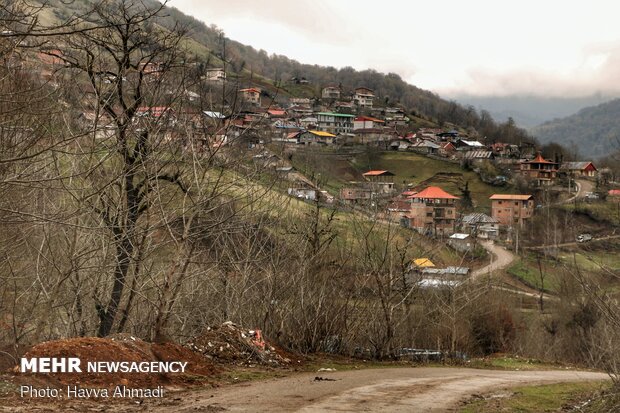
(336, 123)
(381, 181)
(251, 95)
(480, 225)
(579, 169)
(309, 122)
(374, 135)
(448, 136)
(477, 155)
(300, 101)
(355, 195)
(539, 170)
(215, 75)
(277, 113)
(426, 147)
(363, 97)
(433, 212)
(504, 150)
(308, 194)
(330, 92)
(163, 115)
(512, 210)
(450, 270)
(366, 122)
(447, 149)
(315, 137)
(418, 264)
(461, 242)
(397, 209)
(467, 145)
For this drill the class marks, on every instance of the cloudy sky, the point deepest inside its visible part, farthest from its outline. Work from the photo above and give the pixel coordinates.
(478, 47)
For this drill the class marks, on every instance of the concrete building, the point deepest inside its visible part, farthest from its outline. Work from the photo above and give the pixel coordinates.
(512, 210)
(336, 123)
(363, 97)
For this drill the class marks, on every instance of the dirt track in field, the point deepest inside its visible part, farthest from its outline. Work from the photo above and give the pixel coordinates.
(373, 390)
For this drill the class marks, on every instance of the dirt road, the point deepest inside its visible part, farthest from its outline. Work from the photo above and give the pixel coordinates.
(502, 258)
(385, 390)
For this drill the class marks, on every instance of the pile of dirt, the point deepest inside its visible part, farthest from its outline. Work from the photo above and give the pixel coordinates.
(121, 348)
(230, 343)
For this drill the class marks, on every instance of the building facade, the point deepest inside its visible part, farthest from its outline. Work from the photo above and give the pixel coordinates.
(336, 123)
(433, 212)
(512, 210)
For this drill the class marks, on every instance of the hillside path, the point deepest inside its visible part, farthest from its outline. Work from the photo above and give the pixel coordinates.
(501, 258)
(374, 390)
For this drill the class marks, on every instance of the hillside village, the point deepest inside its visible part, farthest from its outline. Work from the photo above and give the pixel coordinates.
(277, 127)
(210, 211)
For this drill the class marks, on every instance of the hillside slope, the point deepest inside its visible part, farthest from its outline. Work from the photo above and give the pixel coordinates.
(594, 131)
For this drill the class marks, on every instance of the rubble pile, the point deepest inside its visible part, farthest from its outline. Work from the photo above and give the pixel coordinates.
(229, 343)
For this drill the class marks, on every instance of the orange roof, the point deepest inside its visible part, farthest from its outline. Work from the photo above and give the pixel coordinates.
(505, 197)
(540, 159)
(378, 173)
(252, 90)
(434, 192)
(364, 118)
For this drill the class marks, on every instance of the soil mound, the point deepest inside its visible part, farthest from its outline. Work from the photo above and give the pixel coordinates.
(121, 348)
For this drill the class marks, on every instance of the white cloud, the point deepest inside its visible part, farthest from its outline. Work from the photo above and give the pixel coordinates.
(476, 47)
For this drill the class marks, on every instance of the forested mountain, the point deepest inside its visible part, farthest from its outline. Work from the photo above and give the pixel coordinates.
(594, 131)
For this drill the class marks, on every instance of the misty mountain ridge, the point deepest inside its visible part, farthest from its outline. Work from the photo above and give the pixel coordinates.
(593, 131)
(531, 111)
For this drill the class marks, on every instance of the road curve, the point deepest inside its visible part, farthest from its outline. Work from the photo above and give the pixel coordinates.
(386, 390)
(501, 258)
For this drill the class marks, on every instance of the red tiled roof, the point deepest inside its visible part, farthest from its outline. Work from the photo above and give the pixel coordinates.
(253, 90)
(156, 111)
(378, 173)
(434, 192)
(614, 192)
(276, 112)
(369, 118)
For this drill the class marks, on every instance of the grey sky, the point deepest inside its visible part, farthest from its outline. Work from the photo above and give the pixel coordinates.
(479, 47)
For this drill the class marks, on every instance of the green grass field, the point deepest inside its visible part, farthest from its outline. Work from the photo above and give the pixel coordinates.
(412, 168)
(527, 270)
(536, 399)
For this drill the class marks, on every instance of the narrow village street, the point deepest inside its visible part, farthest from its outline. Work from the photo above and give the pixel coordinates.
(501, 258)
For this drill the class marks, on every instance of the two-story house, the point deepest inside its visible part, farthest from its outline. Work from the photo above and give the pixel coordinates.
(330, 92)
(251, 95)
(512, 210)
(363, 97)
